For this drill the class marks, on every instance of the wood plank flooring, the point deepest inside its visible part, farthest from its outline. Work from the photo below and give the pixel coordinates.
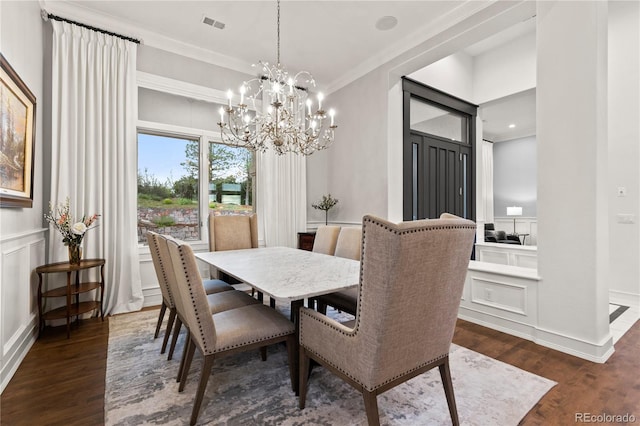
(61, 382)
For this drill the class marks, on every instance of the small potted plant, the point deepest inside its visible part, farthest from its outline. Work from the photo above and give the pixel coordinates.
(325, 204)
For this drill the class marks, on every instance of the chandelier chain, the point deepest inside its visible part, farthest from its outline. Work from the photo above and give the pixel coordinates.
(278, 57)
(275, 110)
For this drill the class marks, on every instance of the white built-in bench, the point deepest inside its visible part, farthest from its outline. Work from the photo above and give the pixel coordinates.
(502, 297)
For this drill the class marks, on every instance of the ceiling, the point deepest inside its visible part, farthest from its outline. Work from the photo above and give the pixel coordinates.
(327, 38)
(518, 109)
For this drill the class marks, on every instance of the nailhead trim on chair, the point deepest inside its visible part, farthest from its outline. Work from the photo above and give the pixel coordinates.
(226, 348)
(351, 376)
(357, 325)
(156, 248)
(397, 232)
(195, 307)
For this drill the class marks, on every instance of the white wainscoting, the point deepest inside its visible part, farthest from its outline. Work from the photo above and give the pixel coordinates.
(501, 297)
(524, 225)
(20, 254)
(508, 254)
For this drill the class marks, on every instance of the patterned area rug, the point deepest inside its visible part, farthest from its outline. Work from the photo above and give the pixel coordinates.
(141, 388)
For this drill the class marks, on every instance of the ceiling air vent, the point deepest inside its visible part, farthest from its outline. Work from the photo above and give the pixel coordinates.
(212, 22)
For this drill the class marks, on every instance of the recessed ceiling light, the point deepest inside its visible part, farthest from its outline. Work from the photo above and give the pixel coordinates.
(512, 126)
(386, 23)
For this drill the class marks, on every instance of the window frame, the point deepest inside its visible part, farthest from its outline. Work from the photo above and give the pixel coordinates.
(204, 138)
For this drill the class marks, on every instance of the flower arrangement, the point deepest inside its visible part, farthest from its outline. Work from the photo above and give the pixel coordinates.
(325, 204)
(72, 232)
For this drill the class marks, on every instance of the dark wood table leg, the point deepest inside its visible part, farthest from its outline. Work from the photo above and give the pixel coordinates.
(295, 317)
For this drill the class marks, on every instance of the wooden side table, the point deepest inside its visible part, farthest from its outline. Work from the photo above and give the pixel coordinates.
(73, 288)
(305, 240)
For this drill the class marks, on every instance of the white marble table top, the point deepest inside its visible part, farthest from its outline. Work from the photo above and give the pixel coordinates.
(285, 273)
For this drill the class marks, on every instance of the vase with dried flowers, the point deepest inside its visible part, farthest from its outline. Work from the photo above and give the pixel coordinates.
(72, 232)
(325, 204)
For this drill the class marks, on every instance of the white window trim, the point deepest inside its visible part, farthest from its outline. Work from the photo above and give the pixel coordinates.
(193, 91)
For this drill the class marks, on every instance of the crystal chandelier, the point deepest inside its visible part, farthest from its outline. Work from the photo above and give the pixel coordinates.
(289, 123)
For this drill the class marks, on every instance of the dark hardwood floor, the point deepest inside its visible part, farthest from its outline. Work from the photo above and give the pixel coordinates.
(61, 382)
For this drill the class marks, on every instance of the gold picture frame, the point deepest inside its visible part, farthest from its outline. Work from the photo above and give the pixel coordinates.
(17, 138)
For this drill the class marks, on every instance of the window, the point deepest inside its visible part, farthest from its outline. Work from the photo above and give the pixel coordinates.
(168, 186)
(231, 177)
(171, 199)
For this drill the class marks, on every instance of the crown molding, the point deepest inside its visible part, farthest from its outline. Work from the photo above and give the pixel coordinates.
(105, 21)
(182, 88)
(411, 41)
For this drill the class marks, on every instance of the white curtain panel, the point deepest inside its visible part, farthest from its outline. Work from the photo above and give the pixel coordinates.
(281, 197)
(487, 180)
(94, 155)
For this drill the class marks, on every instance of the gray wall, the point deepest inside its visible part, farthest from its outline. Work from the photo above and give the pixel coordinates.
(515, 176)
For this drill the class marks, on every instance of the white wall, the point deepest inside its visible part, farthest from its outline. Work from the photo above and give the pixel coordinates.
(22, 237)
(505, 70)
(356, 169)
(514, 176)
(624, 147)
(453, 75)
(572, 124)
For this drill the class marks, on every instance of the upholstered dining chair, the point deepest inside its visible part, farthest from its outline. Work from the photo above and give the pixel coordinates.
(211, 286)
(326, 239)
(224, 333)
(411, 280)
(349, 245)
(218, 302)
(232, 232)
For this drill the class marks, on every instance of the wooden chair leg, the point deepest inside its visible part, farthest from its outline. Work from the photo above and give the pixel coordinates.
(163, 308)
(202, 386)
(371, 407)
(445, 374)
(263, 353)
(322, 307)
(272, 302)
(187, 343)
(167, 333)
(174, 338)
(303, 373)
(187, 365)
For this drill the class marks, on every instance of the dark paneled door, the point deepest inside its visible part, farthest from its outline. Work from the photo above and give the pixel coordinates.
(439, 177)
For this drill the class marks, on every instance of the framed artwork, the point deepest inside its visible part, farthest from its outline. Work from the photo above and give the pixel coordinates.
(17, 138)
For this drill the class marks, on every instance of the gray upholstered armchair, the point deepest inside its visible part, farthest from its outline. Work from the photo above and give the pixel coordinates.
(411, 281)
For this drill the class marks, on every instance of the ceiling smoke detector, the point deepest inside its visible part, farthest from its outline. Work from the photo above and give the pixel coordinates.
(213, 23)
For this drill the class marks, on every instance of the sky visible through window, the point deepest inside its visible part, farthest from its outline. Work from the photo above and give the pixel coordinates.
(161, 156)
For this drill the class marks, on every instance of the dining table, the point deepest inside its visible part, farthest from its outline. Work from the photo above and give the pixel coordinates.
(287, 275)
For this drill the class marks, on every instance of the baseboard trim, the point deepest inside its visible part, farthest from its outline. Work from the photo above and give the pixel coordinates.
(624, 298)
(18, 351)
(598, 353)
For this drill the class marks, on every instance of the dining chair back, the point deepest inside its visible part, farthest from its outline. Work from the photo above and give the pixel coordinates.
(217, 301)
(326, 239)
(411, 281)
(167, 297)
(235, 330)
(233, 232)
(349, 245)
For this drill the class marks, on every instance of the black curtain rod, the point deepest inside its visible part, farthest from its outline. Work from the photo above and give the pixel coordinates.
(100, 30)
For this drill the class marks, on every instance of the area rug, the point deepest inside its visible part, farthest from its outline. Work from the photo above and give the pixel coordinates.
(141, 388)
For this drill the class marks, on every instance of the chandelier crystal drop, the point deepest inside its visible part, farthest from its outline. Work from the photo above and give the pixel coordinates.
(289, 121)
